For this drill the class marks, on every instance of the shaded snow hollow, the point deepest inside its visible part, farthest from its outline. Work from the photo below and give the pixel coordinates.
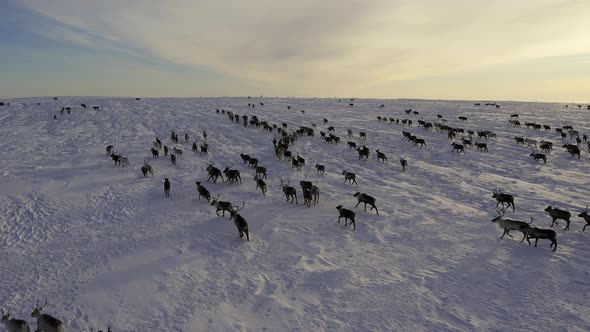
(104, 246)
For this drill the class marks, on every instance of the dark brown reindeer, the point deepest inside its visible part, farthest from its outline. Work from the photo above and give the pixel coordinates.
(240, 221)
(503, 198)
(556, 213)
(45, 322)
(290, 192)
(203, 192)
(539, 156)
(320, 168)
(539, 233)
(214, 173)
(347, 215)
(404, 164)
(260, 184)
(586, 217)
(366, 199)
(14, 325)
(350, 177)
(232, 175)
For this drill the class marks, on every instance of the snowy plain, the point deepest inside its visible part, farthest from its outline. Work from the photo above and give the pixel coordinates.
(105, 247)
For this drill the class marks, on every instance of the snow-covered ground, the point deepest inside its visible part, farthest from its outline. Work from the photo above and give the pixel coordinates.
(104, 246)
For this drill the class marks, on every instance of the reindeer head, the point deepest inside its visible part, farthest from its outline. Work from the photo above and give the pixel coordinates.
(496, 192)
(584, 214)
(5, 315)
(38, 310)
(500, 215)
(550, 206)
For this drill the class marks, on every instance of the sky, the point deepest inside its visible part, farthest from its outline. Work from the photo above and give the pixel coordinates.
(534, 50)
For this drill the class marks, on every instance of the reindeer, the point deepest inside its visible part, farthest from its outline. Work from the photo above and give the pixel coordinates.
(458, 147)
(165, 151)
(306, 185)
(381, 156)
(116, 158)
(245, 158)
(214, 173)
(204, 149)
(195, 147)
(558, 214)
(420, 141)
(203, 192)
(347, 215)
(300, 160)
(289, 192)
(351, 145)
(109, 149)
(404, 164)
(481, 146)
(307, 197)
(155, 154)
(221, 206)
(539, 233)
(546, 146)
(260, 184)
(510, 225)
(350, 177)
(573, 150)
(173, 159)
(260, 171)
(166, 187)
(503, 198)
(519, 140)
(362, 135)
(45, 322)
(239, 221)
(147, 168)
(586, 217)
(320, 168)
(315, 191)
(366, 199)
(296, 164)
(177, 151)
(349, 131)
(363, 152)
(14, 325)
(539, 156)
(232, 175)
(253, 162)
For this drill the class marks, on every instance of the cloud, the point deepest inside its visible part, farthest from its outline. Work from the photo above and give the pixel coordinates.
(328, 46)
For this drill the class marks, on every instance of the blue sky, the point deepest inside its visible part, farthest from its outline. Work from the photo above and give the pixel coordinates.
(503, 50)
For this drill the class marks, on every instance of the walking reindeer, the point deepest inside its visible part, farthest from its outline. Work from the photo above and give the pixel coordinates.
(240, 221)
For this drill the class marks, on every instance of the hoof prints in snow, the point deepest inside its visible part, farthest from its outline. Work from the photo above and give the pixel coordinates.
(27, 220)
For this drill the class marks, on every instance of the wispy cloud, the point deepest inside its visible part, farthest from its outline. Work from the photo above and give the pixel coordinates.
(333, 46)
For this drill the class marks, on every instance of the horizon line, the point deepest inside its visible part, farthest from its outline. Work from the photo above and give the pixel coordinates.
(285, 97)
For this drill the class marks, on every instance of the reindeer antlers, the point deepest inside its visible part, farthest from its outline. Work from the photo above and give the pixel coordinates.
(37, 307)
(240, 209)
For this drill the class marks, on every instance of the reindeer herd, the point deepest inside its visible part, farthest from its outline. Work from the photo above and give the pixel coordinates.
(525, 228)
(283, 145)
